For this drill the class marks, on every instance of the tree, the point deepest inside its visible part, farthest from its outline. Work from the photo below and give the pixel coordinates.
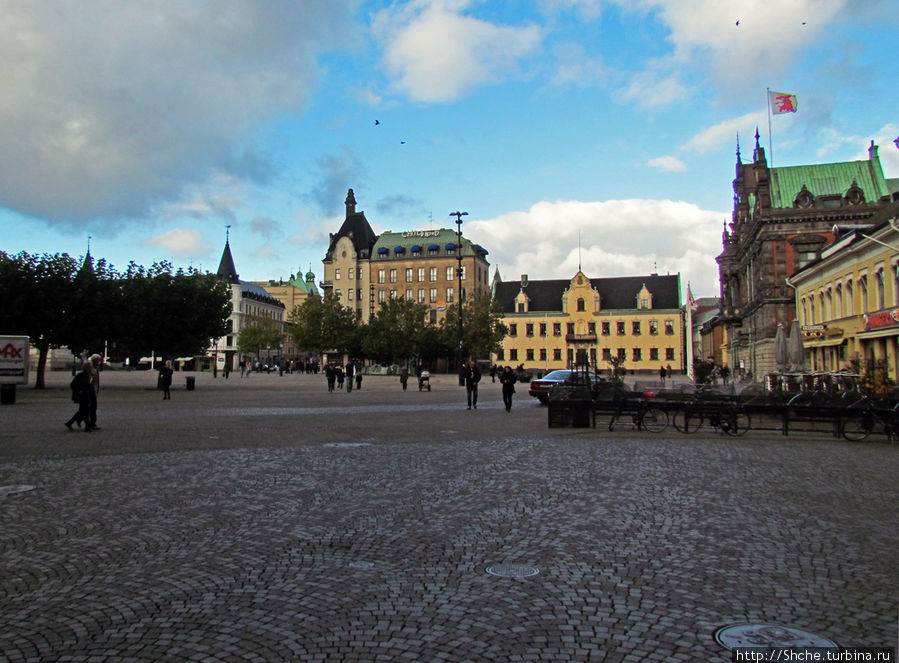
(172, 314)
(37, 299)
(259, 332)
(395, 331)
(323, 324)
(482, 331)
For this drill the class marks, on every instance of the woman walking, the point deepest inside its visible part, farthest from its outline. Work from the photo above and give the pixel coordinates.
(507, 380)
(82, 393)
(165, 379)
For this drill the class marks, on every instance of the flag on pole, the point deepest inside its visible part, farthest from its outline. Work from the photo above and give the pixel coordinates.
(691, 302)
(781, 102)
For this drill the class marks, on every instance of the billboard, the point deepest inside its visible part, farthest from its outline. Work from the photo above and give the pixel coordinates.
(14, 359)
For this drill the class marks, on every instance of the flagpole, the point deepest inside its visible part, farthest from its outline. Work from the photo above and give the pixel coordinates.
(770, 137)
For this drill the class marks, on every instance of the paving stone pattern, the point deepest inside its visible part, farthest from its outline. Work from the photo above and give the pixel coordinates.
(264, 519)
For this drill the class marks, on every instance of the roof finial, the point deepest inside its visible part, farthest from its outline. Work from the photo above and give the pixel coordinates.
(757, 136)
(88, 245)
(738, 148)
(578, 250)
(227, 234)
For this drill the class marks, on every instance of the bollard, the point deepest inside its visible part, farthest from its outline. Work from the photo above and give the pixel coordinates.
(7, 394)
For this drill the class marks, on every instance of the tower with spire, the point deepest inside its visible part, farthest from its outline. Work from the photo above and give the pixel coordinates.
(783, 217)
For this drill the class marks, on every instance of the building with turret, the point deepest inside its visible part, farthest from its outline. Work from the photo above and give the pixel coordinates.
(782, 219)
(248, 301)
(364, 270)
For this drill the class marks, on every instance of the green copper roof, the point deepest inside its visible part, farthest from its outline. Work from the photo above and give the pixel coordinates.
(827, 179)
(424, 239)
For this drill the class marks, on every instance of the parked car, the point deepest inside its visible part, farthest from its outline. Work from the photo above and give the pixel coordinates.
(541, 387)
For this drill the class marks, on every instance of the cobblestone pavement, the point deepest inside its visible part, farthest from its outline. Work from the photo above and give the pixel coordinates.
(264, 519)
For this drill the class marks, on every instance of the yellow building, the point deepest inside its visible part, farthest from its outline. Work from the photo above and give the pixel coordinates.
(557, 323)
(847, 301)
(364, 270)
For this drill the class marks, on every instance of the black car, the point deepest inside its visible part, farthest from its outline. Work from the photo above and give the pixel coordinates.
(541, 387)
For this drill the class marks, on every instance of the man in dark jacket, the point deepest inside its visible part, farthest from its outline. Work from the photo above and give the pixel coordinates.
(472, 377)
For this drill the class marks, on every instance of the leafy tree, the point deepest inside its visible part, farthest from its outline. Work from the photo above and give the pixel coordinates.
(260, 332)
(482, 327)
(37, 299)
(172, 314)
(395, 331)
(323, 324)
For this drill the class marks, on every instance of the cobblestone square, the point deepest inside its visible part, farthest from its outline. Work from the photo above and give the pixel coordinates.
(264, 519)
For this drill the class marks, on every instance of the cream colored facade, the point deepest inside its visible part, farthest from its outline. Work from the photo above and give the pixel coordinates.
(581, 327)
(348, 276)
(848, 301)
(420, 266)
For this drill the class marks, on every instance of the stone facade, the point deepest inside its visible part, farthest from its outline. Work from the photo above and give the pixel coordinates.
(783, 217)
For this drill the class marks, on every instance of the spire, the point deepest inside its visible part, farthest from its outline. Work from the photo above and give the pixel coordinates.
(350, 203)
(739, 160)
(88, 264)
(227, 271)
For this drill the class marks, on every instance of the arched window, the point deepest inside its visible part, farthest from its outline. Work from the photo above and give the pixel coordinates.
(581, 306)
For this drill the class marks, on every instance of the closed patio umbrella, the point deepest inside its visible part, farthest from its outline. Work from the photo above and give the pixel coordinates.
(780, 348)
(795, 350)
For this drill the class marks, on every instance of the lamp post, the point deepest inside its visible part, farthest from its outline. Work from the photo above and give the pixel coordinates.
(459, 216)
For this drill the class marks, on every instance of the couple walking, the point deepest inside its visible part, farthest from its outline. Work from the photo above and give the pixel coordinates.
(472, 376)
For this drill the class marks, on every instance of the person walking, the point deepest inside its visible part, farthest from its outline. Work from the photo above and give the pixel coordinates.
(404, 376)
(472, 377)
(358, 378)
(507, 380)
(350, 376)
(338, 371)
(82, 391)
(165, 380)
(96, 360)
(662, 375)
(330, 376)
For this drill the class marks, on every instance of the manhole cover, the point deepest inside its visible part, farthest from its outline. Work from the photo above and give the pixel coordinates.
(364, 566)
(348, 444)
(770, 635)
(14, 490)
(512, 570)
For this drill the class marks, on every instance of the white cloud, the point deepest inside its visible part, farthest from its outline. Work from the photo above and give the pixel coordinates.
(110, 109)
(181, 242)
(589, 9)
(726, 132)
(764, 41)
(651, 88)
(435, 53)
(887, 149)
(668, 164)
(617, 238)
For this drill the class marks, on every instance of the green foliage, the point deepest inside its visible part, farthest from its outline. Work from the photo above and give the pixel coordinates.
(618, 371)
(703, 371)
(171, 314)
(324, 324)
(259, 332)
(482, 327)
(395, 332)
(59, 301)
(875, 377)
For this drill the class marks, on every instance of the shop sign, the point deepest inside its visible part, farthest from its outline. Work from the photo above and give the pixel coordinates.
(421, 233)
(881, 319)
(14, 359)
(813, 327)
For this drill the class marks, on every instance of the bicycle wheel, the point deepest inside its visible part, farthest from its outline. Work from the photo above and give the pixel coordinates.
(857, 427)
(654, 419)
(686, 421)
(736, 423)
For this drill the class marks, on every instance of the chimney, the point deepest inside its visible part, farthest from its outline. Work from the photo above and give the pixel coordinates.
(872, 151)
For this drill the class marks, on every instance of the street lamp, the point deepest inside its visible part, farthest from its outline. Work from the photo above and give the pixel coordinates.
(459, 216)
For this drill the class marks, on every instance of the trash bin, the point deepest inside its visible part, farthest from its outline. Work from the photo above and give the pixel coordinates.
(7, 394)
(191, 382)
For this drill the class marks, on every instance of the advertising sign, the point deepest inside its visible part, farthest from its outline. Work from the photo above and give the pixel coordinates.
(14, 359)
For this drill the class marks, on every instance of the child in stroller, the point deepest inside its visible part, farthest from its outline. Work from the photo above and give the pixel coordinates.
(424, 380)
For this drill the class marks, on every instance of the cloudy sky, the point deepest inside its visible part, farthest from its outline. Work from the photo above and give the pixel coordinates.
(594, 131)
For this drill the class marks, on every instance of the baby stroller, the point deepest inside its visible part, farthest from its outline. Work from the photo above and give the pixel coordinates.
(424, 380)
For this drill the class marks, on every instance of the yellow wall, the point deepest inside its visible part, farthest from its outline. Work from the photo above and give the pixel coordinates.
(554, 337)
